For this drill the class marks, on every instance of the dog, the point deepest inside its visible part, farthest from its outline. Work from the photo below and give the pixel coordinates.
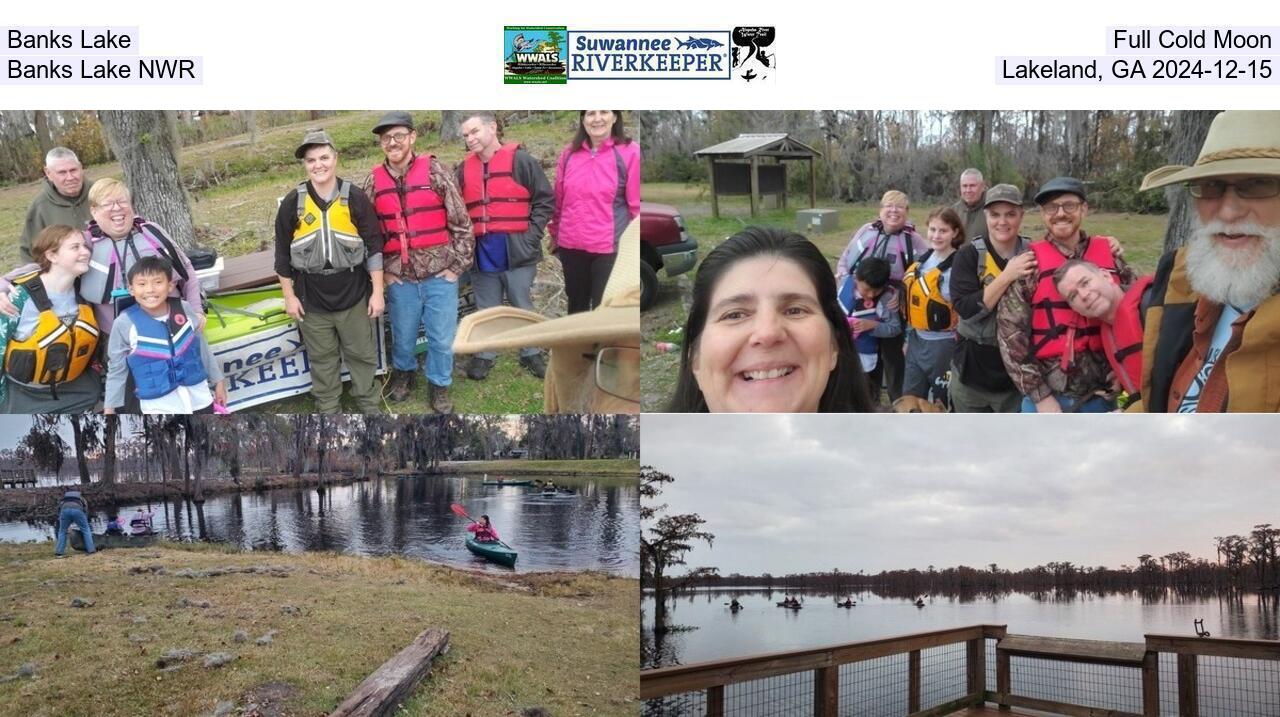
(915, 404)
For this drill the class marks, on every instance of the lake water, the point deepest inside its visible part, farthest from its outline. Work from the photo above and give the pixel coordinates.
(597, 526)
(705, 629)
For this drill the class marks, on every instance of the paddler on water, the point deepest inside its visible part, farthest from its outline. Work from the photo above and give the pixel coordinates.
(484, 530)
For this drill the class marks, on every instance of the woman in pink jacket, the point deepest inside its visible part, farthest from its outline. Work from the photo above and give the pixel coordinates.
(597, 195)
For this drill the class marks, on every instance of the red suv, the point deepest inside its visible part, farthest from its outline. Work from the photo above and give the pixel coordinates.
(664, 244)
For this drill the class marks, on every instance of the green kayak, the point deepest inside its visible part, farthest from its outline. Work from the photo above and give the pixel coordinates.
(508, 482)
(497, 552)
(103, 541)
(240, 313)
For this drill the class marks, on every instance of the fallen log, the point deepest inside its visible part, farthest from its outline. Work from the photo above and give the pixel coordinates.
(390, 685)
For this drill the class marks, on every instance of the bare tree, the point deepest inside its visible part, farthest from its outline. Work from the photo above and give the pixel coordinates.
(109, 432)
(84, 432)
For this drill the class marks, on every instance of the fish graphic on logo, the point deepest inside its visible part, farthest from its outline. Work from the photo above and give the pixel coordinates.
(698, 43)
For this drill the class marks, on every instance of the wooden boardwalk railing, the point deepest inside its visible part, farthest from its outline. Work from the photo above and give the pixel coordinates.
(825, 662)
(17, 477)
(713, 677)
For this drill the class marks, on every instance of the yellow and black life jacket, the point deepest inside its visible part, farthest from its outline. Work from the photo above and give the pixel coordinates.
(927, 308)
(326, 241)
(56, 352)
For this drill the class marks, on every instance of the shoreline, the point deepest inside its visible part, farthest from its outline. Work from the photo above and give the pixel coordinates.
(40, 503)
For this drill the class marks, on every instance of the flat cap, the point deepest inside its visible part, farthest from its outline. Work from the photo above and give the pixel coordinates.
(393, 119)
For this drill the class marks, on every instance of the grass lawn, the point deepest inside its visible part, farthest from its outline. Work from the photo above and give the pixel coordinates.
(1141, 235)
(622, 467)
(566, 642)
(234, 189)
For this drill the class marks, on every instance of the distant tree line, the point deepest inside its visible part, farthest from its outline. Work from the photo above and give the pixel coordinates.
(25, 135)
(865, 152)
(185, 449)
(1244, 562)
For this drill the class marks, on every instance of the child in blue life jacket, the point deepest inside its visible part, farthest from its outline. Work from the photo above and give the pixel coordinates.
(871, 317)
(156, 343)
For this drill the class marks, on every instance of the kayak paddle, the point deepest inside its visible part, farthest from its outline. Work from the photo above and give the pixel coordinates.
(462, 512)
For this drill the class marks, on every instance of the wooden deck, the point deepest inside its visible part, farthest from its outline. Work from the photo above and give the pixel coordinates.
(993, 712)
(248, 271)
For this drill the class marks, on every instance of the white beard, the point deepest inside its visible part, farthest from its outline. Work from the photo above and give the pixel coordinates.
(1240, 277)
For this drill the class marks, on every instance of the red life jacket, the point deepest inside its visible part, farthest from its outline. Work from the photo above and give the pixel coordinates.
(1122, 342)
(1056, 330)
(411, 212)
(495, 200)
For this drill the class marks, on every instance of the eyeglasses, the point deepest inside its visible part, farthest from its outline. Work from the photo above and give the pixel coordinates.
(1251, 188)
(114, 204)
(618, 372)
(1055, 207)
(394, 137)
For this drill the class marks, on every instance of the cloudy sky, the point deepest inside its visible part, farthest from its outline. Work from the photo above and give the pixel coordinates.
(796, 493)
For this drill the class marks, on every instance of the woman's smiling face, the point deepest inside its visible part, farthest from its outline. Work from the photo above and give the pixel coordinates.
(766, 346)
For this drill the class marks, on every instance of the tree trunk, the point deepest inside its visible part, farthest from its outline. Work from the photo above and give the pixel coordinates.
(44, 133)
(450, 131)
(145, 142)
(250, 119)
(173, 447)
(82, 463)
(1189, 130)
(186, 459)
(109, 449)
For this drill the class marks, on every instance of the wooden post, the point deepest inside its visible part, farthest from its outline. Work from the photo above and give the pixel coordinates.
(976, 661)
(826, 691)
(813, 185)
(1188, 694)
(711, 175)
(715, 701)
(382, 691)
(913, 681)
(784, 184)
(1004, 681)
(755, 185)
(1151, 684)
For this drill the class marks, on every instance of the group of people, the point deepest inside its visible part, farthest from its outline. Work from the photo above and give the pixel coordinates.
(73, 509)
(107, 310)
(995, 321)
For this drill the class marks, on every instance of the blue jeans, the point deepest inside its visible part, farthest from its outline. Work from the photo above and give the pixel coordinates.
(433, 305)
(1095, 404)
(66, 517)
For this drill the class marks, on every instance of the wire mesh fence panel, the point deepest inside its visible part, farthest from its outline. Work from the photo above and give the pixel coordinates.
(874, 688)
(991, 665)
(1168, 683)
(944, 673)
(1238, 687)
(782, 695)
(1100, 686)
(687, 704)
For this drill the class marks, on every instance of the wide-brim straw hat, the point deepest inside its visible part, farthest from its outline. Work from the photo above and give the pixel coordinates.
(615, 321)
(1239, 142)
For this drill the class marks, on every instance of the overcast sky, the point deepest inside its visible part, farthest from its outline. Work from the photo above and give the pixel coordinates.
(797, 493)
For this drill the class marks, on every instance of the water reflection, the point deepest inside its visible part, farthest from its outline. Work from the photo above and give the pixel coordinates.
(594, 527)
(699, 625)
